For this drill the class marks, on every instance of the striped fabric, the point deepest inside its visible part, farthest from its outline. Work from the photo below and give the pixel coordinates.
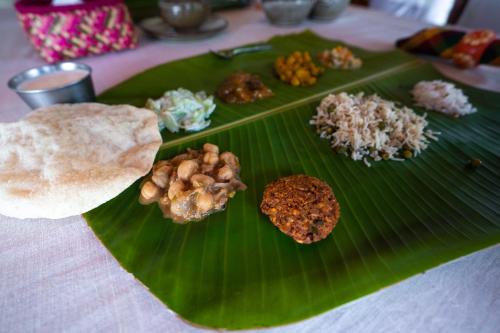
(465, 49)
(80, 33)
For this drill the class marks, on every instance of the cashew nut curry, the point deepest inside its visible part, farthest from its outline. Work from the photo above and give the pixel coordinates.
(193, 185)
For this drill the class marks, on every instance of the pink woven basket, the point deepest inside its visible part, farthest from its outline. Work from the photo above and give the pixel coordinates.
(65, 32)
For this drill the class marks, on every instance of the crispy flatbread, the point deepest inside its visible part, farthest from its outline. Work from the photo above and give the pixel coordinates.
(66, 159)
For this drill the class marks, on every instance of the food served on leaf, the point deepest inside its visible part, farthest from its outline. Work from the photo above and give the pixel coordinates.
(193, 185)
(368, 126)
(67, 159)
(443, 97)
(297, 69)
(302, 207)
(182, 109)
(242, 87)
(340, 57)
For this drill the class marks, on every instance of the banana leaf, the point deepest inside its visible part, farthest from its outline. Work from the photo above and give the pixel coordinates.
(236, 270)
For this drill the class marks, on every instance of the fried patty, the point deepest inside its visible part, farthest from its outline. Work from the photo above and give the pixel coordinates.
(302, 207)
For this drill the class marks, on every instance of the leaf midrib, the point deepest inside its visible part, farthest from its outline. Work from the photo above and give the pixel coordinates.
(291, 105)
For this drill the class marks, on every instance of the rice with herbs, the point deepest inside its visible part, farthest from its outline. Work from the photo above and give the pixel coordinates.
(443, 97)
(365, 127)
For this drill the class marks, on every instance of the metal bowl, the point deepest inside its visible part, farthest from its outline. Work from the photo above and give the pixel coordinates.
(78, 91)
(287, 12)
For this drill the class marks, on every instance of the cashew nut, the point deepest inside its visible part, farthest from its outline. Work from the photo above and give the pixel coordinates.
(160, 176)
(205, 201)
(175, 188)
(225, 173)
(160, 164)
(200, 180)
(208, 147)
(230, 158)
(162, 169)
(186, 169)
(210, 158)
(206, 168)
(179, 158)
(149, 190)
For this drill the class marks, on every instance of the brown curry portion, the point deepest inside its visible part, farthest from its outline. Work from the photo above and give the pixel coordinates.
(242, 87)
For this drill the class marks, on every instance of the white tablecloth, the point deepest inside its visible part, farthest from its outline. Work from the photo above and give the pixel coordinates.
(56, 276)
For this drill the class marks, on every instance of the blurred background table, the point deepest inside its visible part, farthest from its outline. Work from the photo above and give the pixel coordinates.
(56, 276)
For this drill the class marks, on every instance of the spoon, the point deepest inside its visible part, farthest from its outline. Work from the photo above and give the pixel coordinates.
(230, 53)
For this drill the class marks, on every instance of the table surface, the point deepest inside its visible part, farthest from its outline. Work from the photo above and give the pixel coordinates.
(56, 276)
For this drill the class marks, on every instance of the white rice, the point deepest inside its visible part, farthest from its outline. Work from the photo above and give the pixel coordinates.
(361, 127)
(443, 97)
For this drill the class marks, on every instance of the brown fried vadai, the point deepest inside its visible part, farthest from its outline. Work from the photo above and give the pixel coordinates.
(302, 207)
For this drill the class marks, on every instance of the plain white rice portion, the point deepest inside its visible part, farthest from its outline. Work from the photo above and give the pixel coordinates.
(368, 126)
(443, 97)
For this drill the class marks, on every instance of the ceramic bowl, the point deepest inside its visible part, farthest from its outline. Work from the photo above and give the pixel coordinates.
(327, 10)
(287, 12)
(184, 14)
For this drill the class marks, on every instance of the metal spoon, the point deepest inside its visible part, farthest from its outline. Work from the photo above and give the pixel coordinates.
(230, 53)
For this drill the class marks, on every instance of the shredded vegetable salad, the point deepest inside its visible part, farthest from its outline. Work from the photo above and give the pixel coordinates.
(183, 109)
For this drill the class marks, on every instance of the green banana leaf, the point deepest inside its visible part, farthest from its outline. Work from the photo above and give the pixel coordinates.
(235, 269)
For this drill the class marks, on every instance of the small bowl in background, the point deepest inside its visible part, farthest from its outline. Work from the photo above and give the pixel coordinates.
(328, 10)
(65, 82)
(287, 12)
(184, 14)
